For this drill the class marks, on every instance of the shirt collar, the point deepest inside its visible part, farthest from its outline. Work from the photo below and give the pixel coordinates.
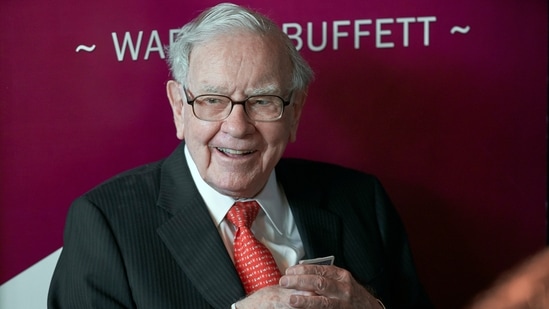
(270, 198)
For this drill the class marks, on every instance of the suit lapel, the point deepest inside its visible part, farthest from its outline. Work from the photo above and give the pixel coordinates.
(319, 231)
(194, 241)
(319, 228)
(323, 222)
(192, 237)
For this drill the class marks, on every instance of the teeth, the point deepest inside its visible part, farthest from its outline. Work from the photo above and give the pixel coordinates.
(234, 151)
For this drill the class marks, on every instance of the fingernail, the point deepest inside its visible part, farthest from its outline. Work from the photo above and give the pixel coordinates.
(283, 281)
(294, 300)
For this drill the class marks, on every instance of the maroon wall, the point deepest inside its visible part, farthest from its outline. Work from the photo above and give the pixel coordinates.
(453, 123)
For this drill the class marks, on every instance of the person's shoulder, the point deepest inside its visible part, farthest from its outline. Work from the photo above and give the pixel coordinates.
(149, 170)
(334, 184)
(307, 165)
(311, 171)
(139, 183)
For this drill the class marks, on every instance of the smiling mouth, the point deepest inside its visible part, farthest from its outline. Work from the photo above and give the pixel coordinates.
(230, 151)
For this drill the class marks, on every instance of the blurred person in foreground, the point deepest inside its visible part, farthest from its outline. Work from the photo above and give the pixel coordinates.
(526, 286)
(165, 235)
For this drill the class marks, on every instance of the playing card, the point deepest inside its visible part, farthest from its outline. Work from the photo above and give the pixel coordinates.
(327, 260)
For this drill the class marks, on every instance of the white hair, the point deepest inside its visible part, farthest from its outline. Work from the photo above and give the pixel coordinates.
(227, 18)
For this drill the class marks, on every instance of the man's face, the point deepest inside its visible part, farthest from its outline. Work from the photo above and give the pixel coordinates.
(236, 155)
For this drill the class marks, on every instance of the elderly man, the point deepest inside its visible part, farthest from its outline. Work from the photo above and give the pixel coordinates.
(224, 222)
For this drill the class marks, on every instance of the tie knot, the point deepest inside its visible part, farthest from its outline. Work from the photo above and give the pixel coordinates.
(242, 214)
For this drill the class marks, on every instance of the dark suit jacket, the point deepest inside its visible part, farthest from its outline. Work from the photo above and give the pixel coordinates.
(145, 239)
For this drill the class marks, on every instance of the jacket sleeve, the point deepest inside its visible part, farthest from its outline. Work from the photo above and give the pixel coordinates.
(90, 272)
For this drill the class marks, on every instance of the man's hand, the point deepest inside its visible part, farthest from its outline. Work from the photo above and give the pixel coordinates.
(328, 287)
(269, 298)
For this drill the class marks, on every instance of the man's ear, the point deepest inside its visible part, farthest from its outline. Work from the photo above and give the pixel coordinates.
(299, 101)
(175, 96)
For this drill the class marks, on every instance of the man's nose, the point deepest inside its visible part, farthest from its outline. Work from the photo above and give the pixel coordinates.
(238, 123)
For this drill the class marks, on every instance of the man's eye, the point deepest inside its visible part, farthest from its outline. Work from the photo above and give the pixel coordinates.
(261, 101)
(212, 100)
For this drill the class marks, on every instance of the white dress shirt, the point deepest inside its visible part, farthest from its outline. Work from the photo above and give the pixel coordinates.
(274, 226)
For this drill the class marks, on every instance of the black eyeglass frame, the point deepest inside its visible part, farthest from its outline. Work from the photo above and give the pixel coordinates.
(243, 103)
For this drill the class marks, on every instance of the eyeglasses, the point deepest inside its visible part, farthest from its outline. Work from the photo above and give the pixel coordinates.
(214, 107)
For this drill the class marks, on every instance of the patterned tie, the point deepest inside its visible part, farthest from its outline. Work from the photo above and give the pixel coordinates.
(254, 262)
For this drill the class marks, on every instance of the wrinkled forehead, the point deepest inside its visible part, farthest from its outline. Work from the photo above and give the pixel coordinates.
(257, 62)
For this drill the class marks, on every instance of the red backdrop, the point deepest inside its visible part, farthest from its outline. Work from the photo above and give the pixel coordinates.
(452, 120)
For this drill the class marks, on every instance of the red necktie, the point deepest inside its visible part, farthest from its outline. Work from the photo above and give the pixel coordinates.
(254, 262)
